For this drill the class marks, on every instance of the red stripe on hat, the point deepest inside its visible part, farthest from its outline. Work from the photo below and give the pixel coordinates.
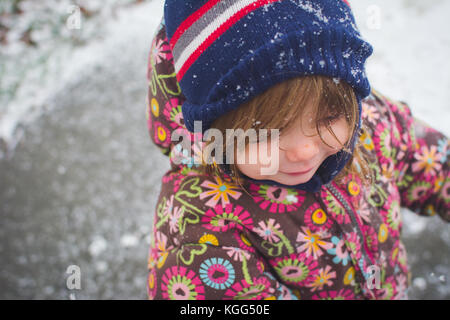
(190, 21)
(218, 32)
(346, 2)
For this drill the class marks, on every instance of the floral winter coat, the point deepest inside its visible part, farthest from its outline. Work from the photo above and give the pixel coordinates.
(214, 240)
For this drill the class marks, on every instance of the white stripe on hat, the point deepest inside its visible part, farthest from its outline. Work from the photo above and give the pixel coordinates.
(209, 29)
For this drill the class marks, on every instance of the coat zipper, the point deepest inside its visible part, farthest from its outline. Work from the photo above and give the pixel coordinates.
(355, 222)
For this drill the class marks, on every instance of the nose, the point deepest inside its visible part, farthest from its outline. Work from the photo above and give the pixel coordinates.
(302, 151)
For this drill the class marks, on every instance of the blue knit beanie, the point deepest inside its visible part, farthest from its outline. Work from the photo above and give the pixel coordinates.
(228, 51)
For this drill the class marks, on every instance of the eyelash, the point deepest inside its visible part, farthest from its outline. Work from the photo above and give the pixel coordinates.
(330, 120)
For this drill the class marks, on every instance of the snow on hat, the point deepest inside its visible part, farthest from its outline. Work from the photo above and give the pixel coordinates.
(228, 51)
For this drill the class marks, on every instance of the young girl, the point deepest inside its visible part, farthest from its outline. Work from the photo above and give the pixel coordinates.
(326, 223)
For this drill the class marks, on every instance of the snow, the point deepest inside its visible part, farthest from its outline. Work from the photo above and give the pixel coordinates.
(98, 246)
(30, 76)
(314, 9)
(411, 49)
(129, 240)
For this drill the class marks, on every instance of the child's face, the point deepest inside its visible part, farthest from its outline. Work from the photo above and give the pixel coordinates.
(299, 150)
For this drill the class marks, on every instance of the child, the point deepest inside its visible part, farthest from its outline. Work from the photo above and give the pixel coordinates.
(325, 223)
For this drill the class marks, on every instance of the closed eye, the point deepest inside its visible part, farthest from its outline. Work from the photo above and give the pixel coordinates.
(329, 120)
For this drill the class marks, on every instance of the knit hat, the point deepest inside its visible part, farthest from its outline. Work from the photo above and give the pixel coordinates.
(228, 51)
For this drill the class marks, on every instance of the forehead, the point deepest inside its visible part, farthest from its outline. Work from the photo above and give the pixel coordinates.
(308, 110)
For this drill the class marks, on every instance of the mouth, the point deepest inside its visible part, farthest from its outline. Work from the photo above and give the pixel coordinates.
(298, 173)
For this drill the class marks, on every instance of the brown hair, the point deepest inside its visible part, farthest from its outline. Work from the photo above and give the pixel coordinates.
(329, 97)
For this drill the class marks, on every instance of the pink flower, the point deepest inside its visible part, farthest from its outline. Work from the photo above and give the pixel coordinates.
(173, 113)
(343, 294)
(296, 269)
(237, 254)
(161, 135)
(269, 231)
(219, 191)
(174, 218)
(316, 218)
(258, 289)
(232, 217)
(370, 113)
(276, 199)
(161, 50)
(180, 283)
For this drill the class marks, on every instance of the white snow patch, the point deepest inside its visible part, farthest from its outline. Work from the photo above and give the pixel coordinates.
(97, 246)
(129, 240)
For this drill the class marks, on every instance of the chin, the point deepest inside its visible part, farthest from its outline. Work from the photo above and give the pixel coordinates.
(291, 182)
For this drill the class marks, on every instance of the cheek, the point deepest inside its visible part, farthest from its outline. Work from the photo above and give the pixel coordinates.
(261, 158)
(242, 160)
(251, 170)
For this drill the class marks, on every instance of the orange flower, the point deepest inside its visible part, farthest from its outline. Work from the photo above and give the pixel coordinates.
(428, 160)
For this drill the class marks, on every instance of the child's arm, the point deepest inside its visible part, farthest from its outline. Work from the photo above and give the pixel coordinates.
(164, 98)
(421, 163)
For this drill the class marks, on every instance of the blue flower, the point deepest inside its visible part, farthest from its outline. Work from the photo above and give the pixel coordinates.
(217, 273)
(443, 149)
(341, 257)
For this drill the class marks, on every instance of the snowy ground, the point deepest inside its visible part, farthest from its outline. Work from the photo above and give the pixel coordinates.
(81, 185)
(49, 44)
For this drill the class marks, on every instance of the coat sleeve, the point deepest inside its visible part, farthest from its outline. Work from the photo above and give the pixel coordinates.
(421, 163)
(164, 96)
